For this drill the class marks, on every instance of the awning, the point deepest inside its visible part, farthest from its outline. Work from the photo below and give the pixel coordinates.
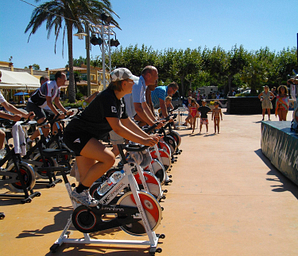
(21, 94)
(18, 80)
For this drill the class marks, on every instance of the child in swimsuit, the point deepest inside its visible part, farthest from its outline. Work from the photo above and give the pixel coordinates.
(216, 115)
(204, 117)
(193, 109)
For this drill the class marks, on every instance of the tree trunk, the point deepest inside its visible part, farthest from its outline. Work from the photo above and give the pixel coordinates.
(71, 86)
(229, 85)
(182, 86)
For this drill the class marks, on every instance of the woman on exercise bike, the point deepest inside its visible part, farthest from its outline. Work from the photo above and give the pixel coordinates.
(105, 113)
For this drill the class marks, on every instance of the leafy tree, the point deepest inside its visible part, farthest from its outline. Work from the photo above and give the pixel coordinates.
(215, 61)
(78, 62)
(65, 15)
(193, 68)
(255, 73)
(236, 61)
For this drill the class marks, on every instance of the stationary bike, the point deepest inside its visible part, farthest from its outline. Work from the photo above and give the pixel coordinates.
(18, 175)
(136, 212)
(146, 180)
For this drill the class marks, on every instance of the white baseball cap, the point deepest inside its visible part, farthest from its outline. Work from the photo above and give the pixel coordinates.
(119, 74)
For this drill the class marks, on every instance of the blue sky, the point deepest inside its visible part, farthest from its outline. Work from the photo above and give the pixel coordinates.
(162, 24)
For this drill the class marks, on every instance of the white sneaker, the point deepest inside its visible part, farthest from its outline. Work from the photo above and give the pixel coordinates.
(84, 198)
(2, 153)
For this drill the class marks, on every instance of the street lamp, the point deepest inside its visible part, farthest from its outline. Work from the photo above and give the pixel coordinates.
(80, 34)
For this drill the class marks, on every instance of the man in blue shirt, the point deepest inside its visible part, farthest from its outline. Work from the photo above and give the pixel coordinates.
(142, 111)
(159, 96)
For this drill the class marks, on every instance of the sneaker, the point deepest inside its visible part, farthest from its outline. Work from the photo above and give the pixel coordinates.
(84, 198)
(2, 153)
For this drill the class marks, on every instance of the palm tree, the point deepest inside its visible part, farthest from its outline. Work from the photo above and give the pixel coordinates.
(64, 15)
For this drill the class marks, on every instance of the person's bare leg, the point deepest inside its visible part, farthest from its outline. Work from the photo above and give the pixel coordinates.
(2, 138)
(279, 112)
(284, 115)
(263, 113)
(105, 158)
(84, 164)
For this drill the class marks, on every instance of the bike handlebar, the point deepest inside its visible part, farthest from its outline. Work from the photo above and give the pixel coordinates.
(150, 128)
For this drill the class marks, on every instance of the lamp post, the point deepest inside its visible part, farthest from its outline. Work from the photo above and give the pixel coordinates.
(80, 34)
(87, 40)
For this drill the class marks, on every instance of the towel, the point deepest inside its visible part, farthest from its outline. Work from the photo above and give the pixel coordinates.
(19, 139)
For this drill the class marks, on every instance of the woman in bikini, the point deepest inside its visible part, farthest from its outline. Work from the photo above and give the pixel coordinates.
(282, 103)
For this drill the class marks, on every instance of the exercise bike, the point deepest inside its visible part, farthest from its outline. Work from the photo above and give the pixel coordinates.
(136, 212)
(18, 175)
(145, 180)
(47, 153)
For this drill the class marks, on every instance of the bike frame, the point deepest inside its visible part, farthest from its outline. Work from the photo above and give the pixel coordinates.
(128, 179)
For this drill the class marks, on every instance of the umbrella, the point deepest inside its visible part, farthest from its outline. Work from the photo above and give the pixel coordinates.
(21, 93)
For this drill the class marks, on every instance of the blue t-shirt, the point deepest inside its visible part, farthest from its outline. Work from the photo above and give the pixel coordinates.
(139, 91)
(160, 92)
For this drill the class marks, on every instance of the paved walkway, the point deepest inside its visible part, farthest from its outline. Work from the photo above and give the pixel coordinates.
(226, 199)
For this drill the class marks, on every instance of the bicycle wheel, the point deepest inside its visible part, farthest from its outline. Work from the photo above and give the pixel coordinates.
(152, 183)
(49, 162)
(164, 146)
(28, 176)
(152, 211)
(176, 136)
(158, 170)
(171, 143)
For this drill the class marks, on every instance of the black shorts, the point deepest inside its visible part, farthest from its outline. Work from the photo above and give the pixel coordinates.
(39, 112)
(76, 141)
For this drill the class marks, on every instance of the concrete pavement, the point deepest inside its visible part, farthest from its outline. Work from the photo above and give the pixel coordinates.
(226, 199)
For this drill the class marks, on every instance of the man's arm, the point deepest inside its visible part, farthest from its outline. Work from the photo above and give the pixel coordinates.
(163, 108)
(149, 100)
(59, 106)
(14, 110)
(51, 106)
(142, 111)
(128, 123)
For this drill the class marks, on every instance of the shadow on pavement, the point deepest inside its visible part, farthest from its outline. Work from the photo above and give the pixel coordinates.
(285, 183)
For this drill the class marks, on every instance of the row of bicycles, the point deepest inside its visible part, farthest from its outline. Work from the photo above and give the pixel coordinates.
(129, 194)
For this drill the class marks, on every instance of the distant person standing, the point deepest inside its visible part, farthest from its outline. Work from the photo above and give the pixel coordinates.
(273, 90)
(216, 116)
(204, 117)
(199, 97)
(266, 97)
(282, 103)
(193, 110)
